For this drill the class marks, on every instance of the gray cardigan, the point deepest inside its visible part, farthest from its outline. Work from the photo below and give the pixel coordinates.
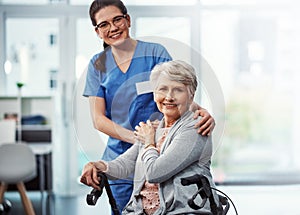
(184, 153)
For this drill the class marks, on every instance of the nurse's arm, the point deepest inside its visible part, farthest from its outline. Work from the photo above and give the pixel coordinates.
(104, 124)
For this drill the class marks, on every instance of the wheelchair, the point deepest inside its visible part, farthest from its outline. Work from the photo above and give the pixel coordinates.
(204, 190)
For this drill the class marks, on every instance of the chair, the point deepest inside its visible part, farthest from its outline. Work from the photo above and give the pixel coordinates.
(17, 165)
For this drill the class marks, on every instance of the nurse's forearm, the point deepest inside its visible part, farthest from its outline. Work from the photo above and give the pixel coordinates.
(105, 125)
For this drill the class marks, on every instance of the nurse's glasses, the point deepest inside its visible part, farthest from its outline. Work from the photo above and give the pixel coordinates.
(117, 21)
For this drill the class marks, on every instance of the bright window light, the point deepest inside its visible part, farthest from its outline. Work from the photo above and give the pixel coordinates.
(7, 67)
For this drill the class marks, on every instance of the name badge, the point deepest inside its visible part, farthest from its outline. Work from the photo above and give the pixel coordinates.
(143, 87)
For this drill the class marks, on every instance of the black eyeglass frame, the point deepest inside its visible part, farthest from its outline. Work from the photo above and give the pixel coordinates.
(115, 19)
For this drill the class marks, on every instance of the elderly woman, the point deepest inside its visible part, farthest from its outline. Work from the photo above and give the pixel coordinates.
(162, 156)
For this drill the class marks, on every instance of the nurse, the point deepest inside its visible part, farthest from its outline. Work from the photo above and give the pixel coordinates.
(117, 85)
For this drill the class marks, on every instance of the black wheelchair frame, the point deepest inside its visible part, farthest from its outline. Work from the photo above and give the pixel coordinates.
(204, 190)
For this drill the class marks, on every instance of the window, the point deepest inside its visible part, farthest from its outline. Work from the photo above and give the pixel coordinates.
(33, 57)
(177, 28)
(254, 55)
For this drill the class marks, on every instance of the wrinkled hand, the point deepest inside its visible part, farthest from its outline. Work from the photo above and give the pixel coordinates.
(145, 132)
(89, 176)
(206, 124)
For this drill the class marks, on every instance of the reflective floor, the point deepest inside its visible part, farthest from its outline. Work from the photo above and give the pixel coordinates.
(57, 205)
(249, 200)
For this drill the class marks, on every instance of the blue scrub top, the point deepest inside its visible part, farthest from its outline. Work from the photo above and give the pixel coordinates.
(128, 100)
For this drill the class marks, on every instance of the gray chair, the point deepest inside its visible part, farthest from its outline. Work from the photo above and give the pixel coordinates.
(17, 165)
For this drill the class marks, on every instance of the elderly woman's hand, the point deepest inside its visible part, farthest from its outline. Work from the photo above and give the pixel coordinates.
(89, 175)
(145, 132)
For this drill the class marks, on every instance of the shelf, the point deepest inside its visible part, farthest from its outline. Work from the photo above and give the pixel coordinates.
(36, 127)
(26, 97)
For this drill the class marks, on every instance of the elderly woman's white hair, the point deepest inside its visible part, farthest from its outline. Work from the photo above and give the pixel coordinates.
(175, 70)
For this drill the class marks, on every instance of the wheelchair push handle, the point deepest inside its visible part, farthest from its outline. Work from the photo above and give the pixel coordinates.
(205, 191)
(92, 198)
(190, 180)
(94, 195)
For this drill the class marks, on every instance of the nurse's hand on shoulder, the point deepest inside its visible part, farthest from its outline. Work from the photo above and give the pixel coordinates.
(206, 124)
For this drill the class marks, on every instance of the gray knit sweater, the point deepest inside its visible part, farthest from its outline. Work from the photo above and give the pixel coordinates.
(184, 153)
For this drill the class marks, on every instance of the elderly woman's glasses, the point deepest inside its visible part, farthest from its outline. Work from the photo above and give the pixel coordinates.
(117, 21)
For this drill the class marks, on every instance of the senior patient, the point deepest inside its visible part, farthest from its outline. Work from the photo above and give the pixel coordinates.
(162, 156)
